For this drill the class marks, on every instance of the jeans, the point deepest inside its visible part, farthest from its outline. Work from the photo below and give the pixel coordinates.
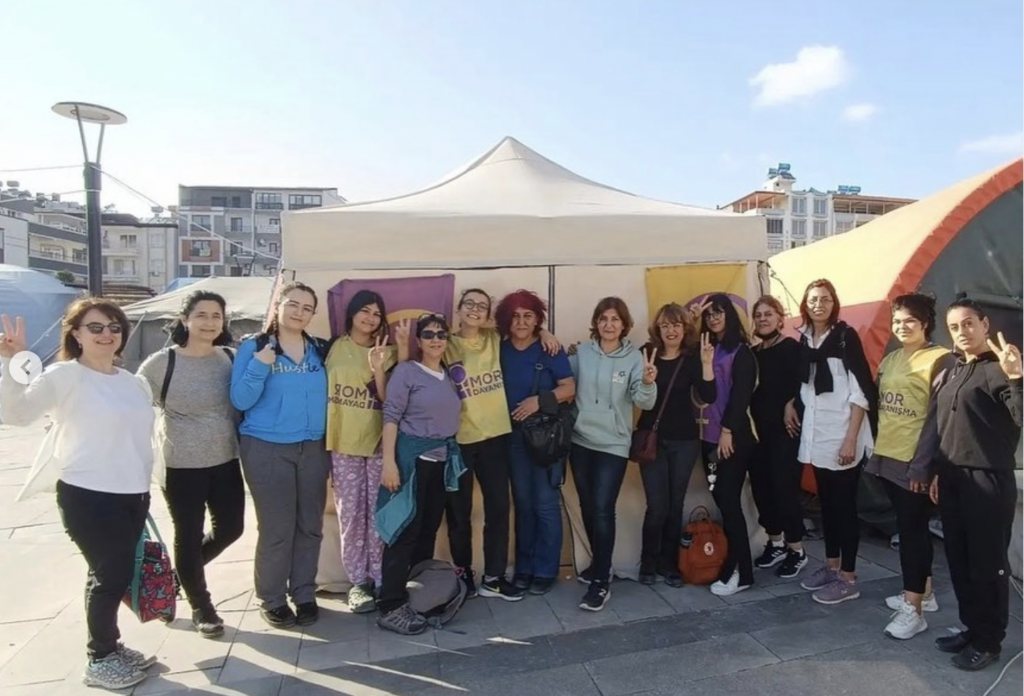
(913, 511)
(775, 482)
(106, 528)
(487, 462)
(665, 482)
(840, 524)
(189, 493)
(538, 511)
(598, 477)
(730, 475)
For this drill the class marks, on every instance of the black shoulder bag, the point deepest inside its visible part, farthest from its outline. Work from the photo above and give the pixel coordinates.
(548, 436)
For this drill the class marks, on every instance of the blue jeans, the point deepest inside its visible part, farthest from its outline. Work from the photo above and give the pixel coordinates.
(536, 492)
(598, 477)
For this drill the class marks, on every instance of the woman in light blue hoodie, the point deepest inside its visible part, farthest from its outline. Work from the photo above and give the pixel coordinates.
(612, 377)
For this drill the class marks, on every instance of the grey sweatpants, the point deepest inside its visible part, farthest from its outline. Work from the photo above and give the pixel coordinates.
(289, 490)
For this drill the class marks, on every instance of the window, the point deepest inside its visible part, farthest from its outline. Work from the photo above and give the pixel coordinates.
(794, 245)
(219, 202)
(79, 256)
(235, 249)
(198, 249)
(236, 224)
(774, 246)
(269, 268)
(124, 267)
(842, 227)
(199, 271)
(275, 222)
(235, 271)
(129, 241)
(201, 223)
(269, 201)
(156, 239)
(301, 201)
(51, 251)
(799, 205)
(156, 266)
(236, 201)
(821, 206)
(820, 229)
(799, 229)
(273, 247)
(774, 225)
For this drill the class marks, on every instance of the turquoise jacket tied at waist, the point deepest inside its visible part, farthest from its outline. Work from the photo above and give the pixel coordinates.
(396, 510)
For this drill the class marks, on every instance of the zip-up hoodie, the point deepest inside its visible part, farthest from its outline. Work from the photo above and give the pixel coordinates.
(979, 415)
(608, 386)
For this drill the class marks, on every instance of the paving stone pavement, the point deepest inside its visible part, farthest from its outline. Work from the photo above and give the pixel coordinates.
(652, 641)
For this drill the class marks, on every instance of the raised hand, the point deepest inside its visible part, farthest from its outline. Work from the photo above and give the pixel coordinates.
(707, 349)
(698, 308)
(650, 369)
(402, 331)
(267, 355)
(378, 354)
(13, 340)
(1009, 357)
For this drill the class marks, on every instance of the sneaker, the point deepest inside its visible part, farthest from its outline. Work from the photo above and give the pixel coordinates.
(928, 603)
(112, 672)
(586, 577)
(820, 578)
(135, 658)
(522, 581)
(729, 587)
(795, 562)
(360, 599)
(955, 643)
(906, 623)
(306, 613)
(647, 576)
(500, 588)
(686, 540)
(402, 620)
(541, 586)
(674, 578)
(282, 617)
(971, 659)
(774, 553)
(837, 592)
(466, 575)
(596, 597)
(207, 623)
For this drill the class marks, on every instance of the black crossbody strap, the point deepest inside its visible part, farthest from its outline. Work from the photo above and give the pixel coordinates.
(167, 377)
(538, 371)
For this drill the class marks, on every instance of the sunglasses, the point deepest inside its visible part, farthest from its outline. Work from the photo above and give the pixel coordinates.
(430, 334)
(96, 328)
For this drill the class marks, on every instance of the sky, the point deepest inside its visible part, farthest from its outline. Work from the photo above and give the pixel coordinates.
(686, 100)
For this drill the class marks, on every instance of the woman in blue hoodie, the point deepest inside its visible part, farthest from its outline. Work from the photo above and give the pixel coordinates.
(612, 377)
(280, 384)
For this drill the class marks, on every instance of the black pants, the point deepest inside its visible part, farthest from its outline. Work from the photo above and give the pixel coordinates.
(416, 542)
(106, 528)
(665, 482)
(598, 477)
(488, 463)
(189, 493)
(913, 510)
(977, 507)
(728, 492)
(840, 526)
(775, 482)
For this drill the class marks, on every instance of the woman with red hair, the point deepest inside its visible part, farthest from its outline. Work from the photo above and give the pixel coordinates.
(534, 381)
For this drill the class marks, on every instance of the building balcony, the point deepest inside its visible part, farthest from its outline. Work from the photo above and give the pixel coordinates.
(268, 229)
(119, 250)
(303, 206)
(269, 206)
(37, 261)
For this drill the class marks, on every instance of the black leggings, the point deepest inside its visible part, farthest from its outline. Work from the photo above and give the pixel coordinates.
(837, 491)
(775, 482)
(730, 475)
(913, 510)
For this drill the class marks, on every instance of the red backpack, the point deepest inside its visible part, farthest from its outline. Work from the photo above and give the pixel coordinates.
(701, 562)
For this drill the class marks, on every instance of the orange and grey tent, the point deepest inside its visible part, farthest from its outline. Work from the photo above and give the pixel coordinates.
(964, 241)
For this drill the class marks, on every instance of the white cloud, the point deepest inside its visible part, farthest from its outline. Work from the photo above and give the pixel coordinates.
(1009, 144)
(816, 69)
(855, 113)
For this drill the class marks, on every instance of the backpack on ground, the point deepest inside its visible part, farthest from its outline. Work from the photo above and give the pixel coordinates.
(701, 562)
(435, 591)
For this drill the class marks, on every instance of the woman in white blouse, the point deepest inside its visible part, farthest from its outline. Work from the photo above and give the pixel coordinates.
(837, 394)
(99, 457)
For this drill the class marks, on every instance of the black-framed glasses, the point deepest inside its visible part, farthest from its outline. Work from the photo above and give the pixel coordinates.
(430, 334)
(472, 305)
(96, 328)
(714, 313)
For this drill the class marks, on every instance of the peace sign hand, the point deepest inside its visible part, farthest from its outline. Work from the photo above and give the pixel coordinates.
(707, 350)
(697, 309)
(13, 339)
(1009, 357)
(650, 369)
(378, 354)
(402, 331)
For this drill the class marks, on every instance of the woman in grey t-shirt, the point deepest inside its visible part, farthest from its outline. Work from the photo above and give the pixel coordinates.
(191, 384)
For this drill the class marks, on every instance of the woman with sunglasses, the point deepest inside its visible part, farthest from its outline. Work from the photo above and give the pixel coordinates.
(280, 384)
(838, 396)
(422, 460)
(98, 455)
(727, 436)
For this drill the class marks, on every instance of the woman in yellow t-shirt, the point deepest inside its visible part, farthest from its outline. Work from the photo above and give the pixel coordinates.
(357, 369)
(904, 450)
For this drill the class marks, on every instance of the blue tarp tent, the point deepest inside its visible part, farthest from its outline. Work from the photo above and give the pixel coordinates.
(41, 299)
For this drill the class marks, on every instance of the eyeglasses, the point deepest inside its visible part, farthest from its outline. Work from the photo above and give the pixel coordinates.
(714, 313)
(293, 305)
(430, 334)
(96, 328)
(474, 305)
(666, 325)
(820, 301)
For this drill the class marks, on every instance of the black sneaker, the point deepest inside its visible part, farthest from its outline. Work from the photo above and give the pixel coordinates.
(674, 578)
(207, 623)
(647, 574)
(772, 556)
(685, 540)
(282, 617)
(522, 581)
(792, 564)
(500, 588)
(955, 643)
(541, 586)
(585, 577)
(596, 597)
(306, 613)
(466, 575)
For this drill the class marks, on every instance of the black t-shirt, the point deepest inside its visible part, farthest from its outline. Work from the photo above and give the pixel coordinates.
(678, 422)
(778, 382)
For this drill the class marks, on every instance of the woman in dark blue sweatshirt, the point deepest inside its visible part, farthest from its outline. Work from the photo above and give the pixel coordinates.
(280, 384)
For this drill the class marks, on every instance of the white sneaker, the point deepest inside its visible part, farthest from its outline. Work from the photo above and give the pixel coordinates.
(928, 603)
(906, 623)
(111, 672)
(729, 587)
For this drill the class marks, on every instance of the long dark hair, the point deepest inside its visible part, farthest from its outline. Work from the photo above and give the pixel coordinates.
(177, 328)
(734, 333)
(365, 298)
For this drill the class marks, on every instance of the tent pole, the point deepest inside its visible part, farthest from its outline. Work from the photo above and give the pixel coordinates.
(551, 299)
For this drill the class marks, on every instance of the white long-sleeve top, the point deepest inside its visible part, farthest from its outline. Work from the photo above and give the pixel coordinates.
(827, 416)
(102, 437)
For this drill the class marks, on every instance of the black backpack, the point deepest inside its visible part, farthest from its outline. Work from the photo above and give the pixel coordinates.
(436, 591)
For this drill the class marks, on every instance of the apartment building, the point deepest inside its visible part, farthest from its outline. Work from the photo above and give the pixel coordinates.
(51, 243)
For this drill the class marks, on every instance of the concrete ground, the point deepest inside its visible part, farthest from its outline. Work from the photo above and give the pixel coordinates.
(771, 639)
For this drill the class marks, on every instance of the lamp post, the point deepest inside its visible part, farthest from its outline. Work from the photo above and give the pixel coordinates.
(244, 263)
(84, 113)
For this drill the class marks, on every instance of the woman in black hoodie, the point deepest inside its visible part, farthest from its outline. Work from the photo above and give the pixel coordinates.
(978, 413)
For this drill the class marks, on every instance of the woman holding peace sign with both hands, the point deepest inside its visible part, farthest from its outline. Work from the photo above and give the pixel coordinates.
(612, 377)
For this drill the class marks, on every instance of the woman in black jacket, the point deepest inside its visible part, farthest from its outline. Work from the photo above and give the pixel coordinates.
(978, 412)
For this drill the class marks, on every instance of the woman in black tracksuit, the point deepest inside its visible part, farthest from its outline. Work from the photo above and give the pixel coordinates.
(978, 411)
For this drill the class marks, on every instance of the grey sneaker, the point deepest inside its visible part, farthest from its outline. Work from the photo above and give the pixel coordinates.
(361, 600)
(135, 658)
(820, 578)
(112, 672)
(402, 620)
(837, 592)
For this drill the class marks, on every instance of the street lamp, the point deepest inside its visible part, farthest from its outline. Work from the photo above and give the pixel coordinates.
(244, 263)
(91, 113)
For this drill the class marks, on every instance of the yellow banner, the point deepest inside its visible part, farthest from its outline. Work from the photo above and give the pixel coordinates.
(691, 283)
